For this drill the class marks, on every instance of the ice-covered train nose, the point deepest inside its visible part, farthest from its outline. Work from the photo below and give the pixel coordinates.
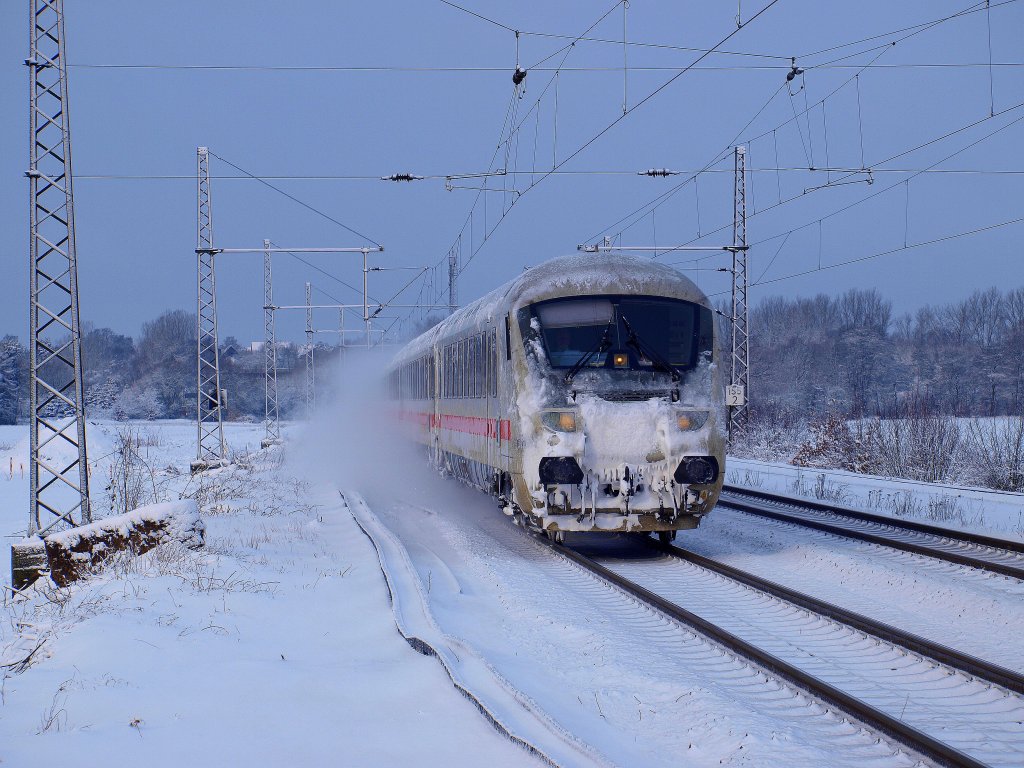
(616, 441)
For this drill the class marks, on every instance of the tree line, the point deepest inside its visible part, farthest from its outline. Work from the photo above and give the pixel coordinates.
(846, 354)
(937, 395)
(154, 376)
(849, 354)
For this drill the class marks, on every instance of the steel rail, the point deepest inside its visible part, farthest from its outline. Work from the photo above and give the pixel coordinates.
(837, 509)
(950, 657)
(875, 718)
(898, 526)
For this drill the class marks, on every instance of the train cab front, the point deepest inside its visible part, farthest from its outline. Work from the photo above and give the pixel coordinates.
(620, 413)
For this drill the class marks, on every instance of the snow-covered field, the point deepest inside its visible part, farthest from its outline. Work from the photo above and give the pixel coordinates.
(273, 646)
(996, 513)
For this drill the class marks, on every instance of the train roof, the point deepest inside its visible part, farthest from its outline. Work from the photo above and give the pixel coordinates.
(573, 275)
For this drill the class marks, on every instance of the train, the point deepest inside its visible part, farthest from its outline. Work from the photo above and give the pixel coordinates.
(586, 394)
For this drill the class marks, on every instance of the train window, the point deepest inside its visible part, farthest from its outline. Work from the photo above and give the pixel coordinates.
(508, 338)
(575, 313)
(473, 369)
(481, 344)
(494, 362)
(458, 369)
(485, 363)
(488, 373)
(476, 366)
(481, 365)
(648, 332)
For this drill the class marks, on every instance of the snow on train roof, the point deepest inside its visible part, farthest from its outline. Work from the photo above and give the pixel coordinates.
(575, 274)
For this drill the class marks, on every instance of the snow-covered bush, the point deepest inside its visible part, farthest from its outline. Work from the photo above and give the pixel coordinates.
(918, 446)
(137, 403)
(773, 433)
(132, 481)
(997, 452)
(829, 444)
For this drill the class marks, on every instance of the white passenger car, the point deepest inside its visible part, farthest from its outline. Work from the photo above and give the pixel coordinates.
(586, 394)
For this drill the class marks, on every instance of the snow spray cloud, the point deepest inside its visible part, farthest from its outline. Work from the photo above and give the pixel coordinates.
(354, 438)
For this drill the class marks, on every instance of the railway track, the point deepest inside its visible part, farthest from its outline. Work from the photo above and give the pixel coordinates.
(963, 548)
(941, 703)
(966, 663)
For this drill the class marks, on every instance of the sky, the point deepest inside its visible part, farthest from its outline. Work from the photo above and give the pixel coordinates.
(435, 101)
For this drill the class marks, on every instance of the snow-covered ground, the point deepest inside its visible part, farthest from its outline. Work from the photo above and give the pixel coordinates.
(273, 646)
(277, 643)
(996, 513)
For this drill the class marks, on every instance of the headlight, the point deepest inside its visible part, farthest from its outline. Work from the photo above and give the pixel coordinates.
(697, 470)
(689, 421)
(559, 421)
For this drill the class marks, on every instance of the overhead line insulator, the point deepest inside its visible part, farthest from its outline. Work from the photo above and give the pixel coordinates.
(401, 177)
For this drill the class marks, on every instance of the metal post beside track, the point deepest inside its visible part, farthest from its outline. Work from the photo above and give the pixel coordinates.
(310, 372)
(211, 451)
(738, 396)
(273, 424)
(453, 276)
(58, 464)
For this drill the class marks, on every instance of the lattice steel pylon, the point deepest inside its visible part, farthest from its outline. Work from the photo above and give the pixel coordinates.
(738, 395)
(310, 372)
(210, 450)
(273, 424)
(58, 464)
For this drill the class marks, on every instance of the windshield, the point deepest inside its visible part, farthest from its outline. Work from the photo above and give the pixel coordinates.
(665, 331)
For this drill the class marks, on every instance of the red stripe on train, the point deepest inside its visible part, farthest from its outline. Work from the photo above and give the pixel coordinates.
(499, 429)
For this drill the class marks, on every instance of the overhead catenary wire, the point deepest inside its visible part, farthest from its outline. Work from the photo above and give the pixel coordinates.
(633, 108)
(496, 69)
(884, 190)
(778, 170)
(891, 251)
(661, 199)
(303, 203)
(594, 172)
(487, 232)
(819, 220)
(973, 8)
(325, 273)
(578, 38)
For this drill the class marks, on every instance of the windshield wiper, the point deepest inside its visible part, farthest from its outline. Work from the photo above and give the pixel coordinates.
(603, 345)
(645, 350)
